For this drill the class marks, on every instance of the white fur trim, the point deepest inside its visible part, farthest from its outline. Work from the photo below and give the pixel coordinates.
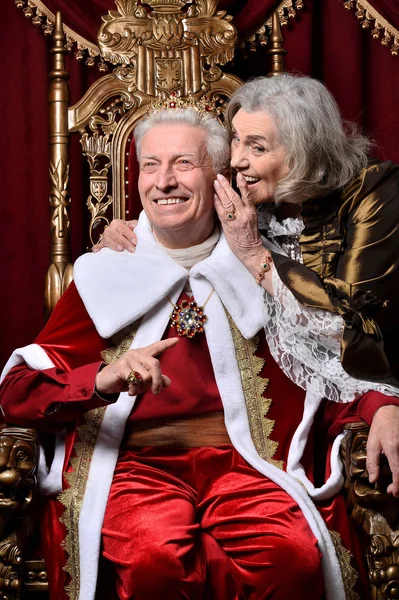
(224, 361)
(228, 379)
(104, 460)
(298, 444)
(49, 481)
(34, 356)
(130, 285)
(143, 290)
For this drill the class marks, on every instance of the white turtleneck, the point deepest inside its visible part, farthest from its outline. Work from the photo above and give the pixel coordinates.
(188, 257)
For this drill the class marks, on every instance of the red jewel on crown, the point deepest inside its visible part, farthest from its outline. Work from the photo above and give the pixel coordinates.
(188, 318)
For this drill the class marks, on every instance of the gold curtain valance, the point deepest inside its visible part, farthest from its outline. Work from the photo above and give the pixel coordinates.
(287, 9)
(42, 16)
(89, 53)
(379, 27)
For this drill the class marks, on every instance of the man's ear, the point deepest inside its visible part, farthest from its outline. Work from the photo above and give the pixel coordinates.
(225, 172)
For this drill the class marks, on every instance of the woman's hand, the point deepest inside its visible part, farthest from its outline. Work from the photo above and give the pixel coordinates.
(384, 439)
(239, 221)
(119, 235)
(112, 378)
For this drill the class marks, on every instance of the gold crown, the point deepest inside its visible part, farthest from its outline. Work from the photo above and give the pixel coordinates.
(167, 3)
(204, 105)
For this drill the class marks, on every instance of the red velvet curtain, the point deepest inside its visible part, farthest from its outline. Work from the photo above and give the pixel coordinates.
(324, 40)
(389, 9)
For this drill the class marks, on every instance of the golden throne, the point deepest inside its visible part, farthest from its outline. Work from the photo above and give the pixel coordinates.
(168, 47)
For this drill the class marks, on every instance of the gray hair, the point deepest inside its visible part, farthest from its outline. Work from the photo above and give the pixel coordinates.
(323, 152)
(217, 139)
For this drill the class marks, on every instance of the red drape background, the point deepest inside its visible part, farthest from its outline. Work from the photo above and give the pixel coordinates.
(324, 41)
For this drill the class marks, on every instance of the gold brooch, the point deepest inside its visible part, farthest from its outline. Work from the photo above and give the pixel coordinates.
(188, 318)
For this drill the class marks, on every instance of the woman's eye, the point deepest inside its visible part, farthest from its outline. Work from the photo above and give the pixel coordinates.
(235, 139)
(258, 149)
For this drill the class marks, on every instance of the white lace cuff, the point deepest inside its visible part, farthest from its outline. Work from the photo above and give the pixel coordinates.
(305, 342)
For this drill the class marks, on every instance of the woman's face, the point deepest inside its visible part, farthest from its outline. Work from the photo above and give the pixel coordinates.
(257, 153)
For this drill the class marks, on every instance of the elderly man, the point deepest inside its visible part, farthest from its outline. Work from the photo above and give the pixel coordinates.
(173, 458)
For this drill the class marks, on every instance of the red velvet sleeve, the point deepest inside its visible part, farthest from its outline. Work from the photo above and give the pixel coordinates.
(363, 409)
(52, 398)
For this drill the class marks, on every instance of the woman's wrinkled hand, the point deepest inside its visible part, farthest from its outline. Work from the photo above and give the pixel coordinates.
(112, 379)
(119, 235)
(239, 219)
(384, 439)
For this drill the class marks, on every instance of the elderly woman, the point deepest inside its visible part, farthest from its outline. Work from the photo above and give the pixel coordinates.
(331, 270)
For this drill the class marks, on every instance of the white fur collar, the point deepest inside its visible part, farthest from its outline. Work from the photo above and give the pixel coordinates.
(118, 288)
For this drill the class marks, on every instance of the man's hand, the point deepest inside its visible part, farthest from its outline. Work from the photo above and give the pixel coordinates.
(119, 235)
(112, 379)
(384, 439)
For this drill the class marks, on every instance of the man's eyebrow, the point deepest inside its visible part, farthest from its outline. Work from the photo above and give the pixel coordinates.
(173, 157)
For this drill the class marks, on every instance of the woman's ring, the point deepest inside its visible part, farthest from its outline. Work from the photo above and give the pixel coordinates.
(231, 216)
(134, 378)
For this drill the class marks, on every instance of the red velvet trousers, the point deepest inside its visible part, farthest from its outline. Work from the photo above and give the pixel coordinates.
(176, 517)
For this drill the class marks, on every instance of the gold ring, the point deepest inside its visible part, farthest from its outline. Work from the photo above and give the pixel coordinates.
(134, 378)
(231, 216)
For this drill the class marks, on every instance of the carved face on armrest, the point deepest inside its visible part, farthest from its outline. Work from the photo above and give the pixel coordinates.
(18, 458)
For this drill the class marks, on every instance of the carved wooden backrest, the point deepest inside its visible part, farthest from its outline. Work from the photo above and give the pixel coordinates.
(169, 47)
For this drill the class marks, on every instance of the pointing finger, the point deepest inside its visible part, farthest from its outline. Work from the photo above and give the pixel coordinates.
(159, 347)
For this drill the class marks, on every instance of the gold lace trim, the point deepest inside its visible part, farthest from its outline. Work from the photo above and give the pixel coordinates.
(349, 573)
(43, 17)
(72, 497)
(87, 433)
(121, 343)
(379, 27)
(287, 9)
(254, 385)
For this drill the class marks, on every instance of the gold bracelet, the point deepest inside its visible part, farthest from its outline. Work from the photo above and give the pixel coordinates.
(264, 267)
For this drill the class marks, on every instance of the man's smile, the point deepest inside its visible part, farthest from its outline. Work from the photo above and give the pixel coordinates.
(170, 200)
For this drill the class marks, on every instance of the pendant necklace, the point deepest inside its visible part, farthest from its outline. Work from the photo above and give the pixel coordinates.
(188, 318)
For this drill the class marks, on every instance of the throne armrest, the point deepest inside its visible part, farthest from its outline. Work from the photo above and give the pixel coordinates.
(375, 513)
(18, 464)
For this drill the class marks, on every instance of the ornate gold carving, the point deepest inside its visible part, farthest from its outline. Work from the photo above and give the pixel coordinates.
(363, 501)
(96, 148)
(59, 274)
(276, 51)
(35, 576)
(254, 385)
(168, 47)
(18, 459)
(10, 570)
(72, 496)
(383, 562)
(379, 27)
(165, 46)
(349, 573)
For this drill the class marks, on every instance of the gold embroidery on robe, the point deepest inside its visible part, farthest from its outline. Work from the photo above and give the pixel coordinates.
(72, 497)
(254, 385)
(349, 573)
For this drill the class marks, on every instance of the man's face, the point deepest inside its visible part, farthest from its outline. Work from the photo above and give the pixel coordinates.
(176, 184)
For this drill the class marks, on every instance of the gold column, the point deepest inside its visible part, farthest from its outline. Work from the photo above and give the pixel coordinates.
(59, 274)
(276, 51)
